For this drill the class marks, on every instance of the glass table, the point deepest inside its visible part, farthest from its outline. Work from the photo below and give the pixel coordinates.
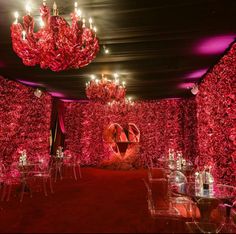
(209, 200)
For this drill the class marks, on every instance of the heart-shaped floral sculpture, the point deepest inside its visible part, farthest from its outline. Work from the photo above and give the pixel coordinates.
(122, 140)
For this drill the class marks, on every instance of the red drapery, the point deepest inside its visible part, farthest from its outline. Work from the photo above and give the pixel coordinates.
(57, 125)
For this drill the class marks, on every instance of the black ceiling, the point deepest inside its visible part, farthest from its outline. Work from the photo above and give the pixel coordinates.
(153, 44)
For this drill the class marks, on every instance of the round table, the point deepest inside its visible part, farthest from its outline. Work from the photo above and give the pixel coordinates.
(207, 201)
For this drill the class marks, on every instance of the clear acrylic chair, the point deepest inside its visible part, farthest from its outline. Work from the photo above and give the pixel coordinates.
(42, 176)
(228, 208)
(158, 198)
(13, 179)
(57, 166)
(72, 163)
(177, 182)
(233, 217)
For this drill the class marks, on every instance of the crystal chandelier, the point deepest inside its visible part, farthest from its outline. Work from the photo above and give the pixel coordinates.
(105, 90)
(56, 45)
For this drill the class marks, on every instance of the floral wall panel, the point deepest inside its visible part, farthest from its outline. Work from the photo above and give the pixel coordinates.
(24, 120)
(162, 124)
(216, 114)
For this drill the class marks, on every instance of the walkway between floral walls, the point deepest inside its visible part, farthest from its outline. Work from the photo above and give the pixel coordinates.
(103, 201)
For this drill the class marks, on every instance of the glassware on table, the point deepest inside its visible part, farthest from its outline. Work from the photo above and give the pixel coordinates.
(171, 154)
(177, 181)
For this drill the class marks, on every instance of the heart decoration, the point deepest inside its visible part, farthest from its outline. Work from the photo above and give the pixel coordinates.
(122, 140)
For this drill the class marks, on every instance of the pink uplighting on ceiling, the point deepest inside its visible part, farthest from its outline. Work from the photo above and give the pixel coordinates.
(75, 100)
(29, 83)
(187, 85)
(57, 94)
(197, 73)
(214, 45)
(68, 100)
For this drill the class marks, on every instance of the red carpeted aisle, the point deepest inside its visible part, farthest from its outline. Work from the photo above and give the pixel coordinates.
(103, 201)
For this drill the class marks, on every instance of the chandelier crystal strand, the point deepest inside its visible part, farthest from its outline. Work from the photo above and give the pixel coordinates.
(105, 90)
(57, 45)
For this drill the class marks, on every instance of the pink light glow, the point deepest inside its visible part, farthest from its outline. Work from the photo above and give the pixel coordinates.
(68, 100)
(187, 85)
(30, 83)
(214, 45)
(57, 94)
(75, 100)
(197, 73)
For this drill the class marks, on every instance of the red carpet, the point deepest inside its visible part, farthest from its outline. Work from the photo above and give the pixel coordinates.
(103, 201)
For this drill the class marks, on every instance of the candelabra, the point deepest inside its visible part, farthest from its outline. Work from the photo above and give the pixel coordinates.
(105, 90)
(57, 45)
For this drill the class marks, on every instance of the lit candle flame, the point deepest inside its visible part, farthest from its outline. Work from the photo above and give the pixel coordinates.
(16, 14)
(79, 12)
(28, 8)
(55, 10)
(90, 22)
(116, 75)
(84, 22)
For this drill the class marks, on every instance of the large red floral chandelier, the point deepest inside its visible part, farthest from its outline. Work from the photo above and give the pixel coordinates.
(105, 90)
(57, 45)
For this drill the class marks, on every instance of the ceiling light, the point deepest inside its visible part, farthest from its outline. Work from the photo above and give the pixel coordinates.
(38, 93)
(194, 89)
(105, 90)
(57, 45)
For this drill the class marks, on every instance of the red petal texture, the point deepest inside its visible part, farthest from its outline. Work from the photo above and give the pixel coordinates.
(216, 111)
(25, 122)
(162, 124)
(57, 46)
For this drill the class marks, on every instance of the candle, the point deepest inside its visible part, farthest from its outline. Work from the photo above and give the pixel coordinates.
(23, 34)
(16, 14)
(84, 23)
(28, 8)
(90, 22)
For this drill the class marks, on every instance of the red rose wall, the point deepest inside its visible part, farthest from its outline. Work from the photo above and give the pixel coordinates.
(203, 128)
(216, 112)
(25, 121)
(163, 124)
